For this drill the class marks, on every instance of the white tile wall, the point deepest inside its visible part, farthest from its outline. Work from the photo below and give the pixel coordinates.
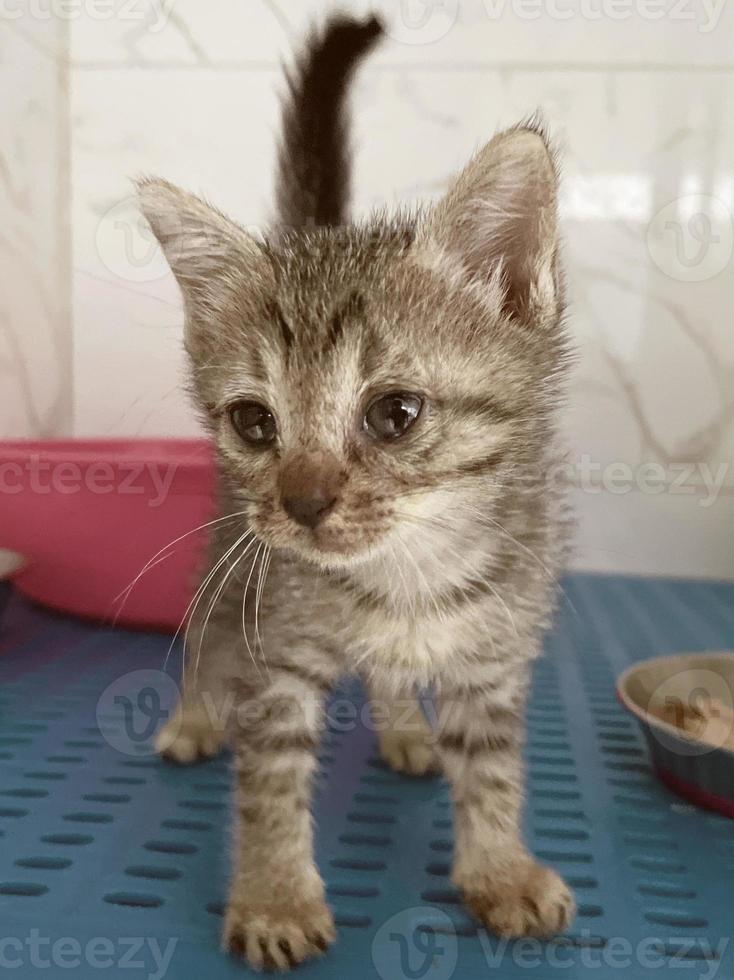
(35, 321)
(638, 94)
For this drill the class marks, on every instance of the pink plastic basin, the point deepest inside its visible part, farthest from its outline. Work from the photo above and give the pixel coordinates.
(86, 515)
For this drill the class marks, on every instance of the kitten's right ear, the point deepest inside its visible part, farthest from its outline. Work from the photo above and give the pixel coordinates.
(202, 246)
(497, 223)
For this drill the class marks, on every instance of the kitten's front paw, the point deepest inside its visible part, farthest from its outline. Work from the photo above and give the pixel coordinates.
(409, 752)
(278, 936)
(534, 902)
(188, 737)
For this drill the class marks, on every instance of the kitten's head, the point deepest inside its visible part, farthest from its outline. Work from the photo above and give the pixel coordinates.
(364, 384)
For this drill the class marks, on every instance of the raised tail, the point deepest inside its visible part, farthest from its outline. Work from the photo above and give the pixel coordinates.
(313, 170)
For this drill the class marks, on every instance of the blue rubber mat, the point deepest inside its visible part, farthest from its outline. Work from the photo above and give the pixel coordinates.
(114, 863)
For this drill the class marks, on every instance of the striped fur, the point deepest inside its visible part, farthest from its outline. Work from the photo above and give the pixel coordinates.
(436, 565)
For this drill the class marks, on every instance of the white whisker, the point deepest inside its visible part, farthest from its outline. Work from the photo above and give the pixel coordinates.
(215, 599)
(262, 573)
(155, 559)
(191, 608)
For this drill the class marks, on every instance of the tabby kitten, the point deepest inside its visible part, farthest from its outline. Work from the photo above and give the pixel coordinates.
(383, 399)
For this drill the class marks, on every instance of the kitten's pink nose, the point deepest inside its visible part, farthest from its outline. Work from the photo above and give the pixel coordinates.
(309, 487)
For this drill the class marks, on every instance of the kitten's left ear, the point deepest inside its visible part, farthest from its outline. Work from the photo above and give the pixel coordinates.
(202, 247)
(498, 224)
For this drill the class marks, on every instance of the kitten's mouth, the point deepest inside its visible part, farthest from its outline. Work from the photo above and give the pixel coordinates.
(329, 546)
(333, 543)
(324, 546)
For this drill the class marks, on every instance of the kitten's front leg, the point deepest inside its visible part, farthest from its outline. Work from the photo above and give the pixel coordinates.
(277, 915)
(404, 735)
(480, 740)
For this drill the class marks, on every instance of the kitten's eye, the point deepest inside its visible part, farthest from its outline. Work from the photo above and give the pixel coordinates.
(390, 416)
(253, 423)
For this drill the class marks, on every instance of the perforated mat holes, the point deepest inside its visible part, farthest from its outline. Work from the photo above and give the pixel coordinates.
(616, 736)
(202, 805)
(153, 872)
(462, 929)
(560, 813)
(375, 779)
(536, 759)
(170, 847)
(25, 793)
(136, 900)
(358, 864)
(378, 798)
(686, 951)
(106, 797)
(351, 920)
(68, 840)
(45, 863)
(635, 800)
(366, 840)
(13, 811)
(581, 883)
(552, 777)
(622, 751)
(42, 774)
(675, 919)
(664, 889)
(541, 793)
(87, 817)
(631, 767)
(569, 857)
(616, 724)
(441, 896)
(550, 745)
(352, 891)
(196, 825)
(560, 833)
(660, 842)
(656, 864)
(371, 818)
(22, 889)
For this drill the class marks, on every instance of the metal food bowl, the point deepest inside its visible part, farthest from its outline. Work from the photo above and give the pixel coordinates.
(685, 705)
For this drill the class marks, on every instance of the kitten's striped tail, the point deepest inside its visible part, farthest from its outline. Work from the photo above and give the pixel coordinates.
(313, 174)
